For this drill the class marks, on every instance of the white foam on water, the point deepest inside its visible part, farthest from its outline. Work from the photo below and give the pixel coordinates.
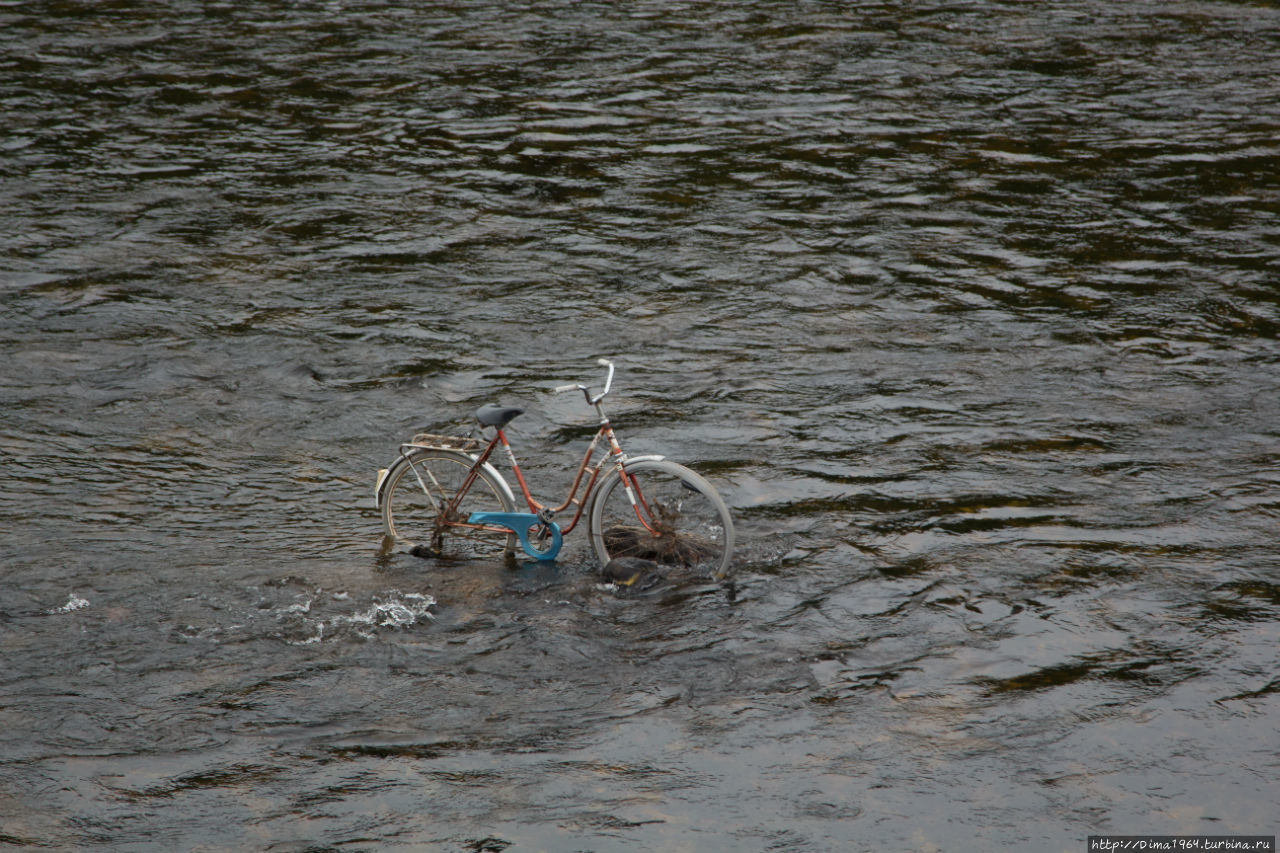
(395, 610)
(401, 613)
(74, 602)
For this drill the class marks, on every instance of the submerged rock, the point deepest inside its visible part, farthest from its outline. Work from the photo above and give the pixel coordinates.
(632, 571)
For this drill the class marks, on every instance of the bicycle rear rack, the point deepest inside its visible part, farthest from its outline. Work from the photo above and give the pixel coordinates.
(428, 441)
(445, 442)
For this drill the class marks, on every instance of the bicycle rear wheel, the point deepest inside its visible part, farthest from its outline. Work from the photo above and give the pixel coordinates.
(417, 494)
(677, 519)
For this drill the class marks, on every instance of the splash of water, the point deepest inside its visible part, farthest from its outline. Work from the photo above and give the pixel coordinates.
(74, 602)
(394, 610)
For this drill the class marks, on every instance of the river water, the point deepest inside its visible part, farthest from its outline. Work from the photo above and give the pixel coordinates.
(968, 307)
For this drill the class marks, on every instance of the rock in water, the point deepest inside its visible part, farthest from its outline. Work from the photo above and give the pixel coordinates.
(626, 571)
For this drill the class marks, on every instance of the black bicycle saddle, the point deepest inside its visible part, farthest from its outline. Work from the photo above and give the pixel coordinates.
(496, 416)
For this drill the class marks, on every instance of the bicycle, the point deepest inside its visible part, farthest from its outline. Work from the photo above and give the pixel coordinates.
(443, 493)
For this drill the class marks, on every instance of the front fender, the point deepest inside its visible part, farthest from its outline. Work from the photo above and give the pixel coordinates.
(650, 457)
(613, 473)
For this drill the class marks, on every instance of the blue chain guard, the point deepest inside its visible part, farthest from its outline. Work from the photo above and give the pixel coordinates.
(519, 524)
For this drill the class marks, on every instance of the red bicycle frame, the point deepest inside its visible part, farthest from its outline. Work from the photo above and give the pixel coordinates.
(614, 453)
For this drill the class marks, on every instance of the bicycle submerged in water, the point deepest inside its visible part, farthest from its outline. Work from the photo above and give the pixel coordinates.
(443, 495)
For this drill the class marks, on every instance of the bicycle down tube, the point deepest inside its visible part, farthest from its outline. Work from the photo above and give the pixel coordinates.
(571, 499)
(535, 506)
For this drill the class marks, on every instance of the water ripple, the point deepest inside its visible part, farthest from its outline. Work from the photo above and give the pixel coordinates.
(968, 310)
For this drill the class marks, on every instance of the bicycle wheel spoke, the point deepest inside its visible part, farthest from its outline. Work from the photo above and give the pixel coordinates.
(444, 496)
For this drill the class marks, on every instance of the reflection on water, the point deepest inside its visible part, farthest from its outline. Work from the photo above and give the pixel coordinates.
(969, 310)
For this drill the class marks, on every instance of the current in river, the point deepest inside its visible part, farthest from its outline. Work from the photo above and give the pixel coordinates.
(969, 309)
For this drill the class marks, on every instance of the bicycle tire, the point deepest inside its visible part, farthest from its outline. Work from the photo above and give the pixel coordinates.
(409, 516)
(687, 522)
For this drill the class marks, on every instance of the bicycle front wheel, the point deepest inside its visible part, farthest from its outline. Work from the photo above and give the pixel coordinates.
(672, 517)
(416, 499)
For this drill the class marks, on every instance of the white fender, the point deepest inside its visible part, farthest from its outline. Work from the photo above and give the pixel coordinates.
(383, 475)
(650, 457)
(612, 473)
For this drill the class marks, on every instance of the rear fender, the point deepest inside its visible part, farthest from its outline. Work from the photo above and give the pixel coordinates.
(384, 475)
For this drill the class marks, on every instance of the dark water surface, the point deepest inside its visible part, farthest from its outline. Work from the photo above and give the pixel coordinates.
(969, 308)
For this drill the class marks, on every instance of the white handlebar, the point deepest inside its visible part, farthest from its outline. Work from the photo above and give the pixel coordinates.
(586, 392)
(608, 382)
